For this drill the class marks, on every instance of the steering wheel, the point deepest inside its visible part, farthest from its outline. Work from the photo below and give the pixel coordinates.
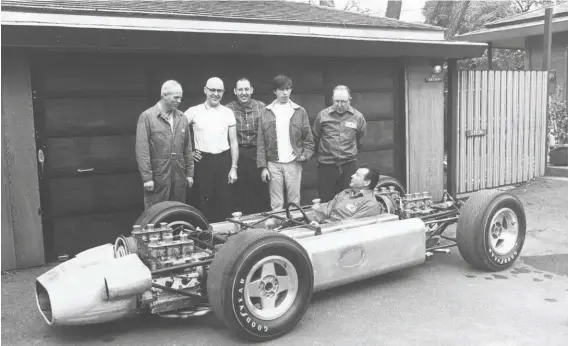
(289, 214)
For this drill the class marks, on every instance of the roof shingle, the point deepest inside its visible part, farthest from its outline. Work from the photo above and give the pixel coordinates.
(266, 11)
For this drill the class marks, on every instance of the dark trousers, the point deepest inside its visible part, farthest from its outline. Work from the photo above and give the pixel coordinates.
(250, 192)
(212, 190)
(333, 179)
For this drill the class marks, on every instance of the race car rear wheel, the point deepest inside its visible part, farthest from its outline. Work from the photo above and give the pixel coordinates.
(491, 230)
(260, 284)
(174, 214)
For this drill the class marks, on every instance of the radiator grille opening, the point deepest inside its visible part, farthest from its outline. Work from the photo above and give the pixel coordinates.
(44, 302)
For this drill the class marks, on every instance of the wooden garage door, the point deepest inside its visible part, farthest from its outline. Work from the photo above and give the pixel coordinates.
(87, 104)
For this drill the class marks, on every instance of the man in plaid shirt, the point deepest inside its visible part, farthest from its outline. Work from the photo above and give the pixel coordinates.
(251, 193)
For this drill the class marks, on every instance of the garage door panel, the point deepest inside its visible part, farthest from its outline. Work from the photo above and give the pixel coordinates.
(93, 116)
(87, 73)
(379, 134)
(362, 74)
(383, 160)
(75, 234)
(374, 105)
(95, 194)
(99, 155)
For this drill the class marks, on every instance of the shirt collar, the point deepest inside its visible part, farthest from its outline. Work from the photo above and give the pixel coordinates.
(360, 193)
(290, 102)
(350, 109)
(161, 112)
(240, 106)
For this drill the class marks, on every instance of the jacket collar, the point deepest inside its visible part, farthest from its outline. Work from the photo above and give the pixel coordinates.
(349, 110)
(292, 104)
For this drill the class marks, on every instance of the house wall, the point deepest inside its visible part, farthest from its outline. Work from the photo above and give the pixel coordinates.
(558, 59)
(22, 237)
(424, 130)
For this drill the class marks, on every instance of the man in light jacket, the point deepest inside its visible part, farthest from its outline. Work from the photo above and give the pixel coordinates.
(284, 144)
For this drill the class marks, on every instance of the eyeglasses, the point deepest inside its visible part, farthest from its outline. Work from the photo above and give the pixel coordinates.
(341, 102)
(218, 91)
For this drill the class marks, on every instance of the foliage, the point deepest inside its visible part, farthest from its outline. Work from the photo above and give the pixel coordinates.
(558, 113)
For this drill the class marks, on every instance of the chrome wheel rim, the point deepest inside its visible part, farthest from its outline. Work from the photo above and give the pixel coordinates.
(271, 287)
(503, 231)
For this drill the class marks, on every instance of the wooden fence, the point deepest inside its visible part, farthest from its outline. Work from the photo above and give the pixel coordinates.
(501, 128)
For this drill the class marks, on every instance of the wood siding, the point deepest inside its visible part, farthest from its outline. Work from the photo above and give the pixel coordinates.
(510, 108)
(558, 59)
(22, 238)
(425, 131)
(89, 104)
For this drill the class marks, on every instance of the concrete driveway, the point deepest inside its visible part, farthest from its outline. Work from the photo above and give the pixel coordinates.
(442, 302)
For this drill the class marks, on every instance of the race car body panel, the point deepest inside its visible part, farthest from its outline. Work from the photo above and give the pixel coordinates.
(357, 253)
(82, 291)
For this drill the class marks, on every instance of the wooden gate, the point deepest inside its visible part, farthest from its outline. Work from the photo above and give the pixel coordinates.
(501, 128)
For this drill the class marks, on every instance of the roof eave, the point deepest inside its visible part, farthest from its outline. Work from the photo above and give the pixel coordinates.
(513, 36)
(211, 25)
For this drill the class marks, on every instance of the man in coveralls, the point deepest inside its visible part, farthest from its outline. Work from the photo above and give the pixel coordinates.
(163, 149)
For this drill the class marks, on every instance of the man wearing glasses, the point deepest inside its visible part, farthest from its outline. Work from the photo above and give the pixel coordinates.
(337, 131)
(252, 191)
(216, 152)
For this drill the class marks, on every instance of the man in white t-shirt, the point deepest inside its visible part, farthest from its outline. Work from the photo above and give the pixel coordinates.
(284, 144)
(216, 152)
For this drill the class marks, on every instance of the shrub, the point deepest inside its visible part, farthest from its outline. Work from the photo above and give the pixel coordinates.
(558, 115)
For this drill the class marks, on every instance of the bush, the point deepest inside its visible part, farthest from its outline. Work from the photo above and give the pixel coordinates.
(558, 115)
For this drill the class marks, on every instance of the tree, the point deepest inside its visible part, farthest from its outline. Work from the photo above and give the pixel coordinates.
(464, 16)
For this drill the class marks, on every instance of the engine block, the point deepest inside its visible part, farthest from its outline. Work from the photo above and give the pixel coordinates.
(158, 248)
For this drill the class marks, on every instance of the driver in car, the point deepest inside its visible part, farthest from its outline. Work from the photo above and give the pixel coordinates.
(356, 202)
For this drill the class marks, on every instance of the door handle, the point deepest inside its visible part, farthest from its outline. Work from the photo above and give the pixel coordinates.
(81, 170)
(40, 158)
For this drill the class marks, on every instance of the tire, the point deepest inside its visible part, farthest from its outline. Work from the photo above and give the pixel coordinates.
(491, 230)
(244, 258)
(386, 181)
(173, 212)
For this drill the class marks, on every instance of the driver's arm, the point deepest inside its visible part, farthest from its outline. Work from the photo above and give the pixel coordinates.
(322, 213)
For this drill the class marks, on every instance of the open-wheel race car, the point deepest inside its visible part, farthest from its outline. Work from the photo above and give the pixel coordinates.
(257, 273)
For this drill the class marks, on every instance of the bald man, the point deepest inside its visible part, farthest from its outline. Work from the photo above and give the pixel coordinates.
(163, 149)
(216, 152)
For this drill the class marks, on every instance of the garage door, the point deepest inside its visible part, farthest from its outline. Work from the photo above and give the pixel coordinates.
(86, 107)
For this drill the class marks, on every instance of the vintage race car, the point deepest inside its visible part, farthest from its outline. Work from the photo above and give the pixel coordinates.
(257, 273)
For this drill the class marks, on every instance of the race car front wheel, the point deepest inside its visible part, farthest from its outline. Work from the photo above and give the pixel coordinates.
(260, 284)
(491, 230)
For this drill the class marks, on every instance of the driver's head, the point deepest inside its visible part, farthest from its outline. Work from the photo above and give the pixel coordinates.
(365, 178)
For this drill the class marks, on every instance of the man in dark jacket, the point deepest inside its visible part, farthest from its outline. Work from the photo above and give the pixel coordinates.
(284, 144)
(163, 149)
(337, 131)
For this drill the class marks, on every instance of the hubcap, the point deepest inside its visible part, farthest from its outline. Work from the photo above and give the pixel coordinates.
(503, 231)
(271, 287)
